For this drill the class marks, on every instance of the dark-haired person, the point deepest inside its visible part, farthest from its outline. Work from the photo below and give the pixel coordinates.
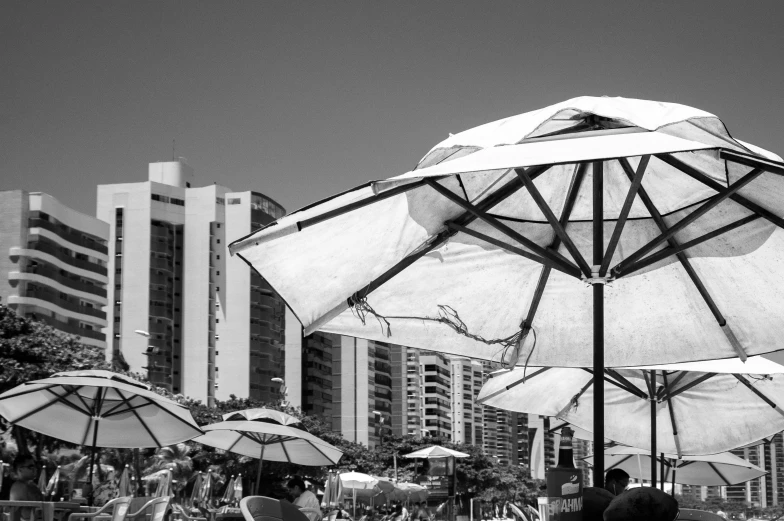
(616, 481)
(24, 488)
(304, 499)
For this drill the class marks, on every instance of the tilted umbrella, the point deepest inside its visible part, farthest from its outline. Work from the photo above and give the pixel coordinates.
(42, 481)
(333, 491)
(721, 469)
(270, 442)
(98, 409)
(228, 493)
(52, 484)
(198, 480)
(499, 244)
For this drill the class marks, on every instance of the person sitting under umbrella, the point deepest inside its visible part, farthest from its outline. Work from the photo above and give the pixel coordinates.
(24, 488)
(616, 481)
(305, 499)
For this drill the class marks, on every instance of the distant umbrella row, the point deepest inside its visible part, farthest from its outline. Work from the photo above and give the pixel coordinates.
(103, 409)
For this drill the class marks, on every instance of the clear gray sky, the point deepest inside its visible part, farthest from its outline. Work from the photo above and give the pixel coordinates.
(300, 100)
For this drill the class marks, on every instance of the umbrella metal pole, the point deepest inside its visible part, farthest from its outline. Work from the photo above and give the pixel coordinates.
(258, 473)
(653, 429)
(672, 492)
(598, 325)
(661, 471)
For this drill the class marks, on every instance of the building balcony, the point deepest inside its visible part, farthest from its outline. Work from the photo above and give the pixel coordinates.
(66, 327)
(49, 276)
(159, 329)
(53, 297)
(160, 280)
(158, 263)
(161, 312)
(69, 234)
(56, 251)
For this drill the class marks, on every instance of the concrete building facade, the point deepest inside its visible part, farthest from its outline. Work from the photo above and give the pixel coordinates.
(54, 264)
(182, 309)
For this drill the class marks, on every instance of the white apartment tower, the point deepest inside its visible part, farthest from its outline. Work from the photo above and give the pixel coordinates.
(195, 320)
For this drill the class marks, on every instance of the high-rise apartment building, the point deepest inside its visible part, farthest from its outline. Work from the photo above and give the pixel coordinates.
(54, 264)
(767, 490)
(437, 375)
(182, 309)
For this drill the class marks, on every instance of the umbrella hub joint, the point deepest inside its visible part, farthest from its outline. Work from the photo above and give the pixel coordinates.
(596, 277)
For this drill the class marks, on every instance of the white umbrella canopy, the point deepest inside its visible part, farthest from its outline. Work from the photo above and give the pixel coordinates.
(693, 399)
(280, 442)
(488, 247)
(436, 451)
(99, 409)
(436, 268)
(269, 441)
(712, 470)
(262, 414)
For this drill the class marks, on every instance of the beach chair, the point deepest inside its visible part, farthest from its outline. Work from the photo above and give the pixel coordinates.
(154, 510)
(260, 508)
(114, 510)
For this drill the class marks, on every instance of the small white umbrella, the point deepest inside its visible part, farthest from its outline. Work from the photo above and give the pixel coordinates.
(436, 451)
(356, 482)
(124, 488)
(721, 469)
(52, 484)
(270, 442)
(262, 414)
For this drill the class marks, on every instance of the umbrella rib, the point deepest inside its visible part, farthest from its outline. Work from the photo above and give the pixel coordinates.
(710, 204)
(628, 456)
(706, 180)
(115, 412)
(68, 403)
(774, 167)
(44, 406)
(135, 413)
(167, 411)
(501, 227)
(759, 393)
(555, 223)
(696, 381)
(437, 240)
(627, 206)
(512, 249)
(612, 382)
(285, 452)
(28, 391)
(718, 473)
(667, 252)
(633, 389)
(513, 384)
(684, 260)
(575, 398)
(544, 275)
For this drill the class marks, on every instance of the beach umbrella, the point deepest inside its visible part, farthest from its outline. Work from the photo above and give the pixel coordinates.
(52, 484)
(500, 243)
(198, 480)
(98, 409)
(42, 481)
(124, 488)
(163, 480)
(262, 414)
(228, 493)
(238, 493)
(691, 402)
(270, 442)
(205, 492)
(436, 451)
(357, 484)
(721, 469)
(333, 491)
(410, 492)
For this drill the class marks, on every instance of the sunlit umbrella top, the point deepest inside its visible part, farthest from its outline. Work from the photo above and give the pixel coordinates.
(436, 451)
(73, 406)
(261, 414)
(450, 256)
(280, 442)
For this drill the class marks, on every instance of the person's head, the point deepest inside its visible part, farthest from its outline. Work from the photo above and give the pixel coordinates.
(398, 508)
(616, 481)
(25, 467)
(296, 487)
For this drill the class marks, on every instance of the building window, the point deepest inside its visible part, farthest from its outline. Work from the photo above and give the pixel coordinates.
(235, 201)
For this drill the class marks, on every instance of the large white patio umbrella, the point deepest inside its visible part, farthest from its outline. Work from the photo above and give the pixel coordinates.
(98, 409)
(270, 442)
(436, 451)
(499, 244)
(698, 407)
(358, 484)
(712, 470)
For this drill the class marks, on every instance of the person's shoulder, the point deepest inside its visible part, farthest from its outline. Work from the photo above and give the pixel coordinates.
(24, 492)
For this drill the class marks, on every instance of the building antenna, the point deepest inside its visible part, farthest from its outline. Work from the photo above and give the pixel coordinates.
(174, 148)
